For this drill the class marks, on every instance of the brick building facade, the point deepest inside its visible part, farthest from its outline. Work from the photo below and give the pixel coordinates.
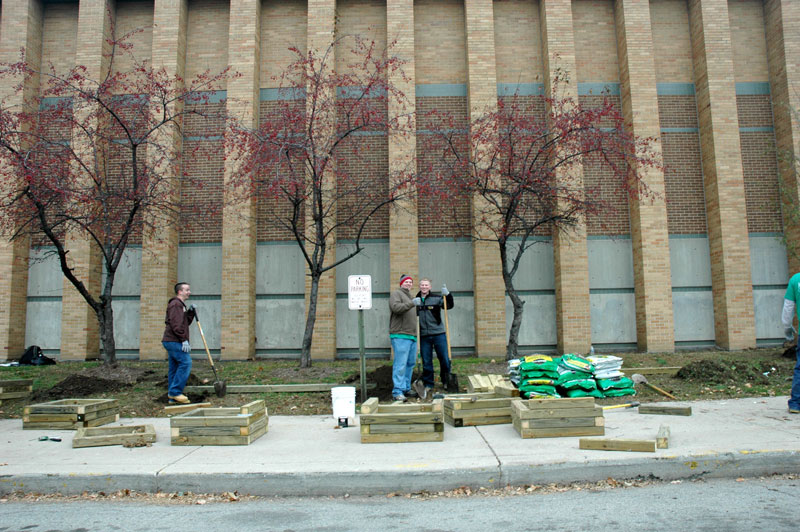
(713, 80)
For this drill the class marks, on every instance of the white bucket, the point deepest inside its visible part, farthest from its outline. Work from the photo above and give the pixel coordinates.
(344, 402)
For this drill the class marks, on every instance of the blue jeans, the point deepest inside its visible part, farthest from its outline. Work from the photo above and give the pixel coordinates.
(180, 364)
(405, 355)
(426, 346)
(794, 399)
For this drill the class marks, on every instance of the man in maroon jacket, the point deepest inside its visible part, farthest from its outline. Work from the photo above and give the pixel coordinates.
(176, 342)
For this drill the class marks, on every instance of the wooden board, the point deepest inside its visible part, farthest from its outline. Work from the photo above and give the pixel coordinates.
(69, 425)
(475, 422)
(402, 418)
(639, 446)
(71, 406)
(218, 430)
(131, 435)
(402, 429)
(219, 440)
(662, 438)
(262, 388)
(478, 413)
(15, 383)
(562, 422)
(403, 438)
(15, 395)
(220, 426)
(476, 404)
(558, 432)
(666, 410)
(180, 409)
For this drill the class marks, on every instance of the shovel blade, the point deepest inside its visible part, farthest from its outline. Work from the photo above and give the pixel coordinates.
(452, 383)
(220, 388)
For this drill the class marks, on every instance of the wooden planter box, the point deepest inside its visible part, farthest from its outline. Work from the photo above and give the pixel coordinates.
(472, 409)
(70, 414)
(220, 426)
(15, 389)
(401, 423)
(554, 418)
(130, 436)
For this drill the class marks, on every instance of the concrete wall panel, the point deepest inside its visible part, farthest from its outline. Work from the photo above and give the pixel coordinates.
(201, 266)
(280, 323)
(768, 307)
(536, 271)
(373, 261)
(446, 262)
(126, 324)
(613, 318)
(44, 274)
(694, 316)
(538, 320)
(610, 263)
(690, 261)
(43, 327)
(280, 269)
(768, 260)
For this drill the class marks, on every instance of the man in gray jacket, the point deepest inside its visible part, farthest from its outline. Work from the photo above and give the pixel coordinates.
(403, 335)
(432, 333)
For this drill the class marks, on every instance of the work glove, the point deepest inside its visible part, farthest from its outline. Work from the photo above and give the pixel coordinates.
(192, 310)
(445, 291)
(788, 334)
(417, 302)
(185, 347)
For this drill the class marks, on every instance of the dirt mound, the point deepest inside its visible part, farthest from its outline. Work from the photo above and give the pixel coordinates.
(94, 381)
(381, 377)
(712, 372)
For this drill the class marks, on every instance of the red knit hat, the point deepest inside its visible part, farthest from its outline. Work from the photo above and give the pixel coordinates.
(404, 277)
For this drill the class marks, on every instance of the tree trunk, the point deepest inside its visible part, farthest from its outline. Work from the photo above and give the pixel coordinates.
(311, 318)
(105, 318)
(512, 348)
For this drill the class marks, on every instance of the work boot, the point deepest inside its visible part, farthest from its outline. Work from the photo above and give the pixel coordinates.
(794, 410)
(400, 397)
(182, 399)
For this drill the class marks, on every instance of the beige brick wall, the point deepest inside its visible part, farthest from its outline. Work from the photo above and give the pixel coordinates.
(207, 40)
(20, 27)
(321, 31)
(669, 20)
(365, 18)
(651, 260)
(239, 215)
(517, 41)
(79, 328)
(722, 169)
(160, 249)
(59, 35)
(283, 25)
(570, 251)
(782, 19)
(136, 20)
(748, 40)
(403, 228)
(440, 55)
(595, 41)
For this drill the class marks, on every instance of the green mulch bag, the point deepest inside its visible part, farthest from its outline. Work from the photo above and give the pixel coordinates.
(576, 363)
(569, 376)
(539, 390)
(584, 393)
(616, 383)
(580, 388)
(538, 374)
(537, 382)
(618, 392)
(534, 394)
(539, 366)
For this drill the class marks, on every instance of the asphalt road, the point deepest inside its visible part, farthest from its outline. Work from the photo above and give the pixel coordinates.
(714, 505)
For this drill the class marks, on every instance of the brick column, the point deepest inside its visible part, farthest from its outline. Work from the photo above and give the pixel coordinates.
(570, 251)
(782, 19)
(321, 29)
(160, 249)
(655, 329)
(239, 214)
(79, 330)
(488, 287)
(403, 229)
(21, 27)
(723, 177)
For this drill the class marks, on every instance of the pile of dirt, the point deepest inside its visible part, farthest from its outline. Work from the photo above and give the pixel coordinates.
(94, 381)
(712, 372)
(381, 377)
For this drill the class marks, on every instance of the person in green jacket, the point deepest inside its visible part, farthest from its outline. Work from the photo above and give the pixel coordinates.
(403, 336)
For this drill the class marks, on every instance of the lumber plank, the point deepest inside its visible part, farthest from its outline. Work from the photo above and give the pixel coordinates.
(101, 421)
(101, 436)
(398, 428)
(262, 388)
(507, 389)
(404, 418)
(475, 422)
(180, 409)
(478, 413)
(563, 412)
(662, 438)
(15, 382)
(554, 402)
(562, 422)
(403, 438)
(639, 446)
(666, 410)
(235, 420)
(369, 406)
(478, 404)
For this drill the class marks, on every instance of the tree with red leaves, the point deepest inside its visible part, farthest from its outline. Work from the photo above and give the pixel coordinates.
(307, 158)
(93, 160)
(522, 164)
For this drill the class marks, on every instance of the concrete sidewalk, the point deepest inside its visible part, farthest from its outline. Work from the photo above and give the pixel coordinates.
(306, 455)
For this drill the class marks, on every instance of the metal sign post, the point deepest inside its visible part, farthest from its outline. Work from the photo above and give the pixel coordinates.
(359, 297)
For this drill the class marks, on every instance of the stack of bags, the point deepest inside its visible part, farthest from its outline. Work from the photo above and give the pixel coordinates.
(576, 377)
(610, 380)
(538, 375)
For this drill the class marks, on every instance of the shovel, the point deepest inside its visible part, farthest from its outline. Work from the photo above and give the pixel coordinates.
(641, 379)
(220, 387)
(452, 379)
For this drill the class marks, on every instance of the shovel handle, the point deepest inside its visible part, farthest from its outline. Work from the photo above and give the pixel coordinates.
(659, 390)
(446, 328)
(203, 336)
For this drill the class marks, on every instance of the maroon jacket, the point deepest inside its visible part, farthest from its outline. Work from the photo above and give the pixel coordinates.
(177, 321)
